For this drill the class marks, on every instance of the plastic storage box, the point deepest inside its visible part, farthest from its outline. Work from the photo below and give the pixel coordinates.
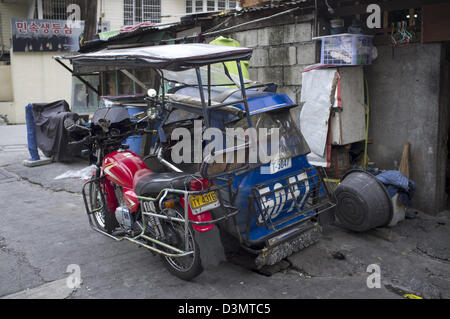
(346, 49)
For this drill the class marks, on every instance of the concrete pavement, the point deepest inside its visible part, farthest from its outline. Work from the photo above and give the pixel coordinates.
(44, 229)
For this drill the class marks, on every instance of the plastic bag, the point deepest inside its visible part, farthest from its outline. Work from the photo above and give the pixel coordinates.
(84, 174)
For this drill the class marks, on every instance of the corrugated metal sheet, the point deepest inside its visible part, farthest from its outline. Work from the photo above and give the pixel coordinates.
(273, 5)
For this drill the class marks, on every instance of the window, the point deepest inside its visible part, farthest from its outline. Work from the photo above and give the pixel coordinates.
(233, 4)
(117, 83)
(84, 99)
(210, 5)
(198, 6)
(56, 9)
(137, 11)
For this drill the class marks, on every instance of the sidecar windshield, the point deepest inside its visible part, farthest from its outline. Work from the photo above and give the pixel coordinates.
(290, 140)
(189, 77)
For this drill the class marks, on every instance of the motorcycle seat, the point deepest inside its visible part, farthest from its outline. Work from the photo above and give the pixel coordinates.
(152, 184)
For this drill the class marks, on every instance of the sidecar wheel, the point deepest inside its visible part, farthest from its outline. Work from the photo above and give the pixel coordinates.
(187, 267)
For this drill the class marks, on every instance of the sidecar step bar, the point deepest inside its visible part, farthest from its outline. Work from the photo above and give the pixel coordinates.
(180, 253)
(181, 220)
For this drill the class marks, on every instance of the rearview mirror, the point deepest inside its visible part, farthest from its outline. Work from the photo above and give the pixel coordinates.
(104, 124)
(138, 116)
(69, 124)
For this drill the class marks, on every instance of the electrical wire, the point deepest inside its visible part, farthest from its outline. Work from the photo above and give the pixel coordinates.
(1, 39)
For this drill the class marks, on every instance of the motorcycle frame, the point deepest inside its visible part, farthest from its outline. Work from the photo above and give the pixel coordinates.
(156, 201)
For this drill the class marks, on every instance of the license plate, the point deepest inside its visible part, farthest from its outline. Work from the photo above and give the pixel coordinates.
(203, 202)
(280, 165)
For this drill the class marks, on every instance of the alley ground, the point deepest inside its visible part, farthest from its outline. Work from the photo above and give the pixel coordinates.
(44, 229)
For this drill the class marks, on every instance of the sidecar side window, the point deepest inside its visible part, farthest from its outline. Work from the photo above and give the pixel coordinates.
(291, 141)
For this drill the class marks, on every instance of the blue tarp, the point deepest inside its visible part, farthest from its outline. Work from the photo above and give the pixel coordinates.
(31, 133)
(396, 182)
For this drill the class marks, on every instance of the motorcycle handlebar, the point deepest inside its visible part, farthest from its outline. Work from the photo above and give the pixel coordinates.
(113, 139)
(83, 141)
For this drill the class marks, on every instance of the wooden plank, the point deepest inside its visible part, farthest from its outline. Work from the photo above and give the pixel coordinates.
(412, 21)
(404, 162)
(436, 23)
(386, 22)
(249, 3)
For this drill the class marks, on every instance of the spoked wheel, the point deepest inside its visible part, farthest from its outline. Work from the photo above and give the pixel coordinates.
(103, 219)
(186, 267)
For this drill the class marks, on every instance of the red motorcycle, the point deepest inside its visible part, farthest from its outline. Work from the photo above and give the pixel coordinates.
(127, 201)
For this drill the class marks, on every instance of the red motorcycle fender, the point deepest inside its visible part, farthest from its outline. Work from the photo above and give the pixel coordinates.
(203, 217)
(110, 195)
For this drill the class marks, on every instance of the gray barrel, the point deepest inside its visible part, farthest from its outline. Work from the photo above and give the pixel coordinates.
(363, 202)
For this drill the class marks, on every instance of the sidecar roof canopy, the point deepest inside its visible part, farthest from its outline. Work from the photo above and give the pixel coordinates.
(173, 57)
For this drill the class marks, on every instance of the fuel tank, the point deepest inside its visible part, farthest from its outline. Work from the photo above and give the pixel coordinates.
(121, 166)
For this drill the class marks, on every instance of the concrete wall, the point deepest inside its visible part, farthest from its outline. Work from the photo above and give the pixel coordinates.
(280, 53)
(6, 91)
(36, 78)
(405, 107)
(112, 11)
(172, 8)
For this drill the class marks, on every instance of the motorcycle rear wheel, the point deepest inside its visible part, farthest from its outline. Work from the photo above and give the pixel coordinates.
(187, 267)
(103, 219)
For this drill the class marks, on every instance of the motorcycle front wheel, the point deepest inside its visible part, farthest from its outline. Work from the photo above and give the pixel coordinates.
(186, 267)
(103, 219)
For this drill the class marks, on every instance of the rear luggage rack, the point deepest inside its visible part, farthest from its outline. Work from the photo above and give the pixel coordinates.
(305, 194)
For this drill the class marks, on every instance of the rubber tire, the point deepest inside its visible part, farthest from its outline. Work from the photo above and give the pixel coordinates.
(196, 268)
(110, 220)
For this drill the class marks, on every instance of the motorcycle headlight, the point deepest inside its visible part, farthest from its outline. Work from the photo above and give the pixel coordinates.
(152, 93)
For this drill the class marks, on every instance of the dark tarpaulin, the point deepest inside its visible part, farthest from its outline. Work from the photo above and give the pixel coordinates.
(173, 57)
(52, 138)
